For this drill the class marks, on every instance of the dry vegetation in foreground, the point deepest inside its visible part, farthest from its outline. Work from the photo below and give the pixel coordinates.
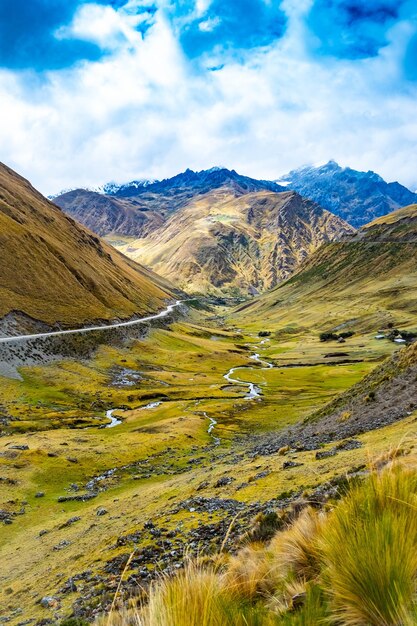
(355, 565)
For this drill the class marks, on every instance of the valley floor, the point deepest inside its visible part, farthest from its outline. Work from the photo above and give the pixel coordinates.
(82, 504)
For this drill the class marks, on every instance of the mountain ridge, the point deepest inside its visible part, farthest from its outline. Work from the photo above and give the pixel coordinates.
(358, 197)
(371, 274)
(65, 273)
(222, 242)
(135, 210)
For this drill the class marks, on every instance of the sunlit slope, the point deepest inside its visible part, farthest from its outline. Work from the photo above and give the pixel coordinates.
(400, 225)
(368, 279)
(54, 270)
(247, 243)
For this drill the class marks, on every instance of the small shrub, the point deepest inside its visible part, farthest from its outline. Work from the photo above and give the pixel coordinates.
(345, 416)
(328, 336)
(265, 526)
(313, 611)
(408, 335)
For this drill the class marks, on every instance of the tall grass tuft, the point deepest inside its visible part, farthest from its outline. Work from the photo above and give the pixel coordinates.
(297, 549)
(252, 572)
(197, 597)
(370, 551)
(356, 566)
(312, 613)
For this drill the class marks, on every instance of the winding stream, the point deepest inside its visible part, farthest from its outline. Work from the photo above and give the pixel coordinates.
(253, 390)
(211, 427)
(114, 421)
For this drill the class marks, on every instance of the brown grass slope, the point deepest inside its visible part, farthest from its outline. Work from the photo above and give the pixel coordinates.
(106, 215)
(54, 270)
(224, 241)
(363, 281)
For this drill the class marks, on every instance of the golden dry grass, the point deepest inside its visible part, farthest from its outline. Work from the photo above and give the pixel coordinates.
(53, 270)
(354, 566)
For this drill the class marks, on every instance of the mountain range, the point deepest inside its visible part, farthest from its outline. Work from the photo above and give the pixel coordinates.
(136, 208)
(133, 209)
(357, 197)
(214, 230)
(221, 242)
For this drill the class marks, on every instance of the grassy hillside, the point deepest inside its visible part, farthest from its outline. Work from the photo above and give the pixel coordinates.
(364, 282)
(54, 270)
(245, 243)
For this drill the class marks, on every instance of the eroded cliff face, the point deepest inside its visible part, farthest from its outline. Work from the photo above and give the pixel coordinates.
(222, 243)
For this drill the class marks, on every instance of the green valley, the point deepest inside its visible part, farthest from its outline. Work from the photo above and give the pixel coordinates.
(212, 445)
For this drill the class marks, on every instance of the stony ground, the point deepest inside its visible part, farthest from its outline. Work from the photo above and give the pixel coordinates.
(82, 505)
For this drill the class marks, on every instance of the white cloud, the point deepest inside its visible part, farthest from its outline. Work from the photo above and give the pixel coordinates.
(98, 24)
(146, 111)
(209, 25)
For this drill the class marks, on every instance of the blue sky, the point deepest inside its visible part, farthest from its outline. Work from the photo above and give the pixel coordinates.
(123, 89)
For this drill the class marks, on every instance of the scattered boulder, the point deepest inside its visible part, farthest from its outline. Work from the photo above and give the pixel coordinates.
(70, 522)
(289, 464)
(49, 602)
(62, 545)
(5, 516)
(225, 480)
(324, 454)
(69, 586)
(101, 511)
(81, 498)
(349, 444)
